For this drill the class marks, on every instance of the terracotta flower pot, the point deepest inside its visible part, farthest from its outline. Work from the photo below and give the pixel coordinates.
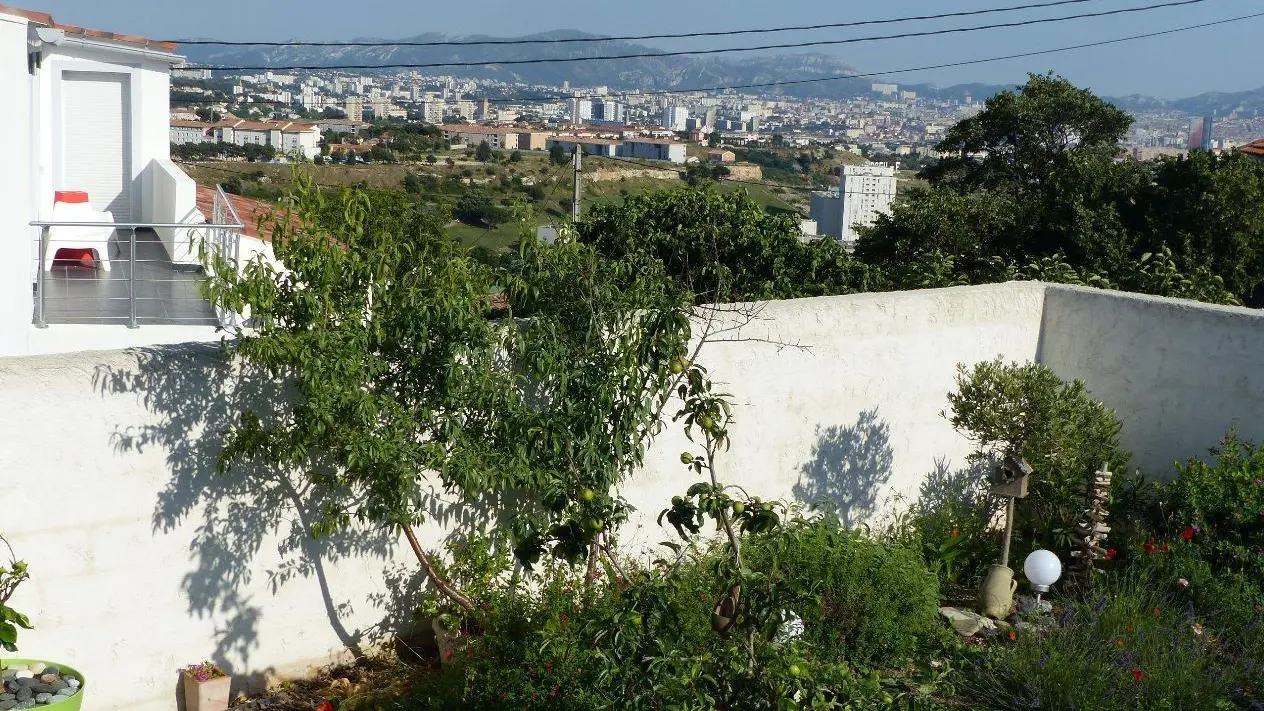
(209, 695)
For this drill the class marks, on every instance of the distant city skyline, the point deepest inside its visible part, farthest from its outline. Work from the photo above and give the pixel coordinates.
(1223, 58)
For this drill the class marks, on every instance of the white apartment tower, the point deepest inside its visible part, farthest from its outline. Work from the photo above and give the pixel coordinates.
(675, 118)
(864, 192)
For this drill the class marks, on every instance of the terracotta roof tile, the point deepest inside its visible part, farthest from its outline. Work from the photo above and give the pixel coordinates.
(1254, 148)
(43, 18)
(256, 215)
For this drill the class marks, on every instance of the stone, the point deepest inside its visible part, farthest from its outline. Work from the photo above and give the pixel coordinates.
(47, 678)
(25, 681)
(43, 688)
(74, 683)
(24, 674)
(59, 685)
(7, 697)
(7, 704)
(50, 669)
(38, 668)
(965, 622)
(25, 694)
(14, 667)
(43, 698)
(1027, 605)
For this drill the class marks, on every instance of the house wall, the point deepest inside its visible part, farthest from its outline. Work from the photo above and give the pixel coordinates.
(17, 206)
(172, 198)
(1179, 373)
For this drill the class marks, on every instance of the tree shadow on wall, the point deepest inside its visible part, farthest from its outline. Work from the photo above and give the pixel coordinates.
(849, 466)
(194, 395)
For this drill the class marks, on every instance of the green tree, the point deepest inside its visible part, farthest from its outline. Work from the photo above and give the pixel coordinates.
(1021, 137)
(557, 154)
(515, 157)
(477, 207)
(483, 153)
(399, 380)
(722, 246)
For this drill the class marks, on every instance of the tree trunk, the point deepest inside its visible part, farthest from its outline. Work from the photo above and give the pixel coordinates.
(440, 583)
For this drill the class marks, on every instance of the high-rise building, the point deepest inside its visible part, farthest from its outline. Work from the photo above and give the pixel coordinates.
(675, 118)
(431, 110)
(581, 110)
(608, 111)
(1200, 133)
(354, 107)
(864, 192)
(710, 118)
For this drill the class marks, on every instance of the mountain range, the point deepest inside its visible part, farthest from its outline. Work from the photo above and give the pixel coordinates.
(650, 73)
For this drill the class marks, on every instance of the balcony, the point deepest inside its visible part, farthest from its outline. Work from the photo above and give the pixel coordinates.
(128, 277)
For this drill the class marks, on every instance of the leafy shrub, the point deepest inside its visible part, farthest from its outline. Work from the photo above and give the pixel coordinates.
(1138, 640)
(866, 601)
(1056, 426)
(646, 640)
(951, 523)
(1219, 507)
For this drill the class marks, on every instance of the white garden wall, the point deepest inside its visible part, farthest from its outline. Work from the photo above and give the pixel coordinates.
(145, 559)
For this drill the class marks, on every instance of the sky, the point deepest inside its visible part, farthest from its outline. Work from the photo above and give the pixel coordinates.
(1222, 58)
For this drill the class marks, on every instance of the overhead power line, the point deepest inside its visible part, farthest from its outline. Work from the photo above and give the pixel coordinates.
(694, 52)
(631, 38)
(869, 75)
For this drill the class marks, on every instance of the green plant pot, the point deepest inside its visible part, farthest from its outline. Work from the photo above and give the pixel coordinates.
(71, 704)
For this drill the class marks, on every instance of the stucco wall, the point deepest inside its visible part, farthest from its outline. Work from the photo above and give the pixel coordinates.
(837, 399)
(17, 239)
(144, 558)
(1178, 373)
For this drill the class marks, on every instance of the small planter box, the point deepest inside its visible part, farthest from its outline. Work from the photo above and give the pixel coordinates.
(209, 695)
(71, 703)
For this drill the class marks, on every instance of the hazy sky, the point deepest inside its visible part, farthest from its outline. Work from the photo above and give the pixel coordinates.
(1223, 58)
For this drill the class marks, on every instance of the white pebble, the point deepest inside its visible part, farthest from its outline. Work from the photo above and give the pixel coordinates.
(74, 683)
(25, 674)
(38, 667)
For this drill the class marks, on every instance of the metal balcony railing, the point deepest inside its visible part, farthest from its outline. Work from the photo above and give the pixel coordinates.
(142, 284)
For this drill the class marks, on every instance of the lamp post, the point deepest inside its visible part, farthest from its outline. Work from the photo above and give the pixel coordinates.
(1042, 569)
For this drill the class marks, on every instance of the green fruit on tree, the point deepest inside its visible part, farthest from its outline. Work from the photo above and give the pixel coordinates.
(635, 619)
(738, 507)
(686, 458)
(595, 525)
(678, 501)
(587, 494)
(706, 423)
(678, 366)
(795, 671)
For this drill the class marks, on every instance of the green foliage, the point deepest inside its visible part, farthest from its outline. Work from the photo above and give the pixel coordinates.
(1033, 191)
(951, 523)
(11, 576)
(221, 151)
(476, 207)
(382, 327)
(515, 157)
(700, 173)
(1220, 508)
(557, 155)
(1138, 640)
(483, 153)
(722, 246)
(1056, 426)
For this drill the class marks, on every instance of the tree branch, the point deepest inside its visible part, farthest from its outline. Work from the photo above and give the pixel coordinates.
(440, 583)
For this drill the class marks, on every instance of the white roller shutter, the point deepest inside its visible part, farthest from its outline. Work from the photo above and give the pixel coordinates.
(96, 140)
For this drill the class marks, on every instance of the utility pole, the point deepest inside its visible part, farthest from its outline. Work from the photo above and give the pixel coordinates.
(578, 190)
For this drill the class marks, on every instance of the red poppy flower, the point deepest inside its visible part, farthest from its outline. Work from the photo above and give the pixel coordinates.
(1157, 612)
(955, 532)
(1137, 674)
(1111, 553)
(325, 706)
(1187, 534)
(1119, 642)
(1149, 546)
(1166, 548)
(1012, 636)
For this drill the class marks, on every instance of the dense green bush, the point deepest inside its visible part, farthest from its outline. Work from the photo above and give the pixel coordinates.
(866, 600)
(1058, 427)
(1219, 508)
(646, 640)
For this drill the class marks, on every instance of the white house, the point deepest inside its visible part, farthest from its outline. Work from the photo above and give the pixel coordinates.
(294, 138)
(89, 113)
(184, 131)
(864, 192)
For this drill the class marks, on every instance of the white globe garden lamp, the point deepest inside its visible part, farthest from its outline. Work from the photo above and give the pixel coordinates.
(1042, 569)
